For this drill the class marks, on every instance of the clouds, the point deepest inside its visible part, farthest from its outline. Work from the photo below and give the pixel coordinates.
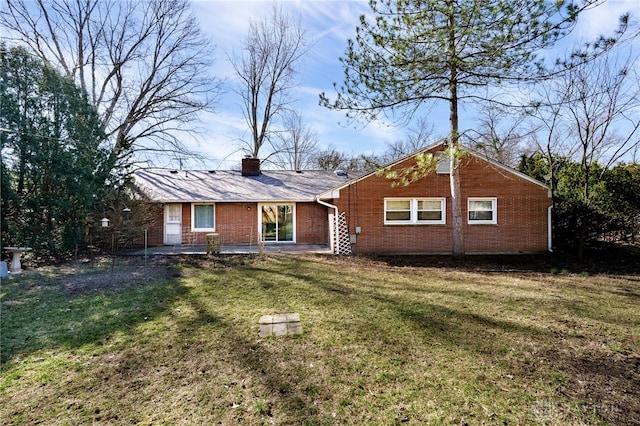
(603, 19)
(329, 24)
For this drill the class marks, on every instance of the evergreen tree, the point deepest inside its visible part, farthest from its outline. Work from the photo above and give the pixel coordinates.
(613, 212)
(419, 51)
(55, 164)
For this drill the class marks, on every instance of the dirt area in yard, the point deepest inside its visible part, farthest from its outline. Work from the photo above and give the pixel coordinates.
(604, 381)
(81, 278)
(601, 260)
(608, 383)
(113, 274)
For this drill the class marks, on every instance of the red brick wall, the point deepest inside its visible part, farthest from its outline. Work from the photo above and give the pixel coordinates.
(186, 218)
(237, 223)
(522, 211)
(312, 224)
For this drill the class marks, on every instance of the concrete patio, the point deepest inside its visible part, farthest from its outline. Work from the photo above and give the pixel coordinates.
(193, 249)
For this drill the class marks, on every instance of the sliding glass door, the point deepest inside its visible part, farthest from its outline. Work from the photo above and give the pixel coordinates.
(277, 222)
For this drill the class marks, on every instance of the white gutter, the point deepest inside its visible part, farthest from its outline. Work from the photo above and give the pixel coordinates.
(335, 246)
(549, 228)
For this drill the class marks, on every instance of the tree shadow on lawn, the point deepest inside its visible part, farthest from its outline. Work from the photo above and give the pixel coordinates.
(287, 379)
(41, 311)
(609, 382)
(591, 375)
(435, 320)
(276, 367)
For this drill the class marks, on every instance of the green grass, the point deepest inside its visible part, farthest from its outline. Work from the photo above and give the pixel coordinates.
(381, 345)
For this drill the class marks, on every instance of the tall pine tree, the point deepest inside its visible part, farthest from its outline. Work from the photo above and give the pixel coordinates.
(420, 51)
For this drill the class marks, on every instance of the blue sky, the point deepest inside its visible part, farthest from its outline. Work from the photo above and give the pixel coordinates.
(329, 23)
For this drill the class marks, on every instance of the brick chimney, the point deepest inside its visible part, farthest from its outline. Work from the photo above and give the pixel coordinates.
(250, 166)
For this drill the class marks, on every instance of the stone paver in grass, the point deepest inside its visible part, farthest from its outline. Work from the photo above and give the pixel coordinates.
(280, 324)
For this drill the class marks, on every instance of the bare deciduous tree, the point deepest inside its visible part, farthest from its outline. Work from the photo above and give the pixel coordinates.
(604, 115)
(603, 109)
(266, 70)
(417, 136)
(143, 64)
(297, 144)
(501, 135)
(330, 159)
(591, 115)
(551, 136)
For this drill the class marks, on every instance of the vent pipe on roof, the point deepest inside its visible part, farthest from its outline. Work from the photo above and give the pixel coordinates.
(250, 166)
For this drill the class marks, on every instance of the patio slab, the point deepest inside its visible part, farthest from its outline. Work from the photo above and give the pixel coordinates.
(187, 249)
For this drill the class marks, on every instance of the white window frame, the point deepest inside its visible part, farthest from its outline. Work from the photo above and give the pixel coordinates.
(193, 217)
(494, 211)
(398, 222)
(413, 215)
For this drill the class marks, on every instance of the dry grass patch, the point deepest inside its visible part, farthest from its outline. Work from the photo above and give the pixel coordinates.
(382, 344)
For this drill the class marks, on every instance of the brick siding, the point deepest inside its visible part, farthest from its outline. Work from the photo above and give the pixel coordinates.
(522, 211)
(237, 224)
(312, 223)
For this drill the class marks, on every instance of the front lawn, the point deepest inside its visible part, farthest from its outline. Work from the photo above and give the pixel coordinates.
(382, 344)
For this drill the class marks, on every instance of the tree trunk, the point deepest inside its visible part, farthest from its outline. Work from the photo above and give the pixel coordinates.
(456, 204)
(458, 249)
(584, 209)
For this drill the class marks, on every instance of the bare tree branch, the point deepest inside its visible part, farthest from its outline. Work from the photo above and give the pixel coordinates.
(144, 64)
(500, 135)
(266, 70)
(296, 144)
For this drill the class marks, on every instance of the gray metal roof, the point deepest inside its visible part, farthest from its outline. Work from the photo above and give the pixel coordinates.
(166, 186)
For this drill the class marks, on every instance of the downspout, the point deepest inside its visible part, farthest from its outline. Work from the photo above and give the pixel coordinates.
(549, 229)
(334, 241)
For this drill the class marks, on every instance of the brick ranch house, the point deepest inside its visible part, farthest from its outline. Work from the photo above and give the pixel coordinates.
(506, 211)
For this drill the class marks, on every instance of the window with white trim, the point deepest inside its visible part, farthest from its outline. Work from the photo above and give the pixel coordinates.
(202, 217)
(482, 211)
(408, 211)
